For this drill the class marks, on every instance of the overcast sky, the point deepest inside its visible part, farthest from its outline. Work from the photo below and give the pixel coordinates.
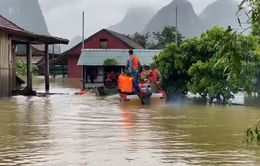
(63, 17)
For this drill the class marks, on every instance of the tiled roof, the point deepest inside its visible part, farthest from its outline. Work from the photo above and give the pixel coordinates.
(4, 23)
(96, 57)
(11, 28)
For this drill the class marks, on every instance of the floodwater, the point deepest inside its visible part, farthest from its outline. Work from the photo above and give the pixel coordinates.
(73, 130)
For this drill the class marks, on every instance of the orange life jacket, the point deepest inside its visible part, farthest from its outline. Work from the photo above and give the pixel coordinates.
(135, 64)
(125, 84)
(154, 76)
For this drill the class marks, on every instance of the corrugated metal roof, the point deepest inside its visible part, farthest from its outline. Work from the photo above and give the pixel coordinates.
(96, 57)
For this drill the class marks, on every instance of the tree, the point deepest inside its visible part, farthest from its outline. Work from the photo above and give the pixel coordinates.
(231, 68)
(166, 36)
(254, 14)
(110, 61)
(170, 66)
(174, 62)
(21, 68)
(143, 40)
(204, 66)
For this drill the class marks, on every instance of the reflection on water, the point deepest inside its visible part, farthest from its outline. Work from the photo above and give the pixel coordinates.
(87, 130)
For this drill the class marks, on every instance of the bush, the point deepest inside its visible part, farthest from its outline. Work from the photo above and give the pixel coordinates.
(217, 65)
(21, 68)
(110, 61)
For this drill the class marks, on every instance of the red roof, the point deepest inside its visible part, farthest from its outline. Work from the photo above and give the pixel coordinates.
(16, 31)
(125, 39)
(4, 23)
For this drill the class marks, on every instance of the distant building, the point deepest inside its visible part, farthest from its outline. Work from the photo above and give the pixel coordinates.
(37, 52)
(104, 39)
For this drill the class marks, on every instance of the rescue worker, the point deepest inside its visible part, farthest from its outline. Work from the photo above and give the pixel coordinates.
(156, 78)
(111, 80)
(146, 73)
(125, 83)
(133, 65)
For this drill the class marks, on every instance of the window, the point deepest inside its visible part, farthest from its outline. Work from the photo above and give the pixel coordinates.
(103, 43)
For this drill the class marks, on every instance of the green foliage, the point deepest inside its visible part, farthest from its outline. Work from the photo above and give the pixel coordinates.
(216, 65)
(256, 29)
(110, 61)
(207, 77)
(171, 65)
(21, 68)
(174, 62)
(166, 36)
(143, 40)
(254, 9)
(254, 14)
(252, 134)
(243, 60)
(231, 68)
(209, 81)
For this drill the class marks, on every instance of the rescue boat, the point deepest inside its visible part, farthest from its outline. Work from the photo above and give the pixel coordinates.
(156, 98)
(146, 96)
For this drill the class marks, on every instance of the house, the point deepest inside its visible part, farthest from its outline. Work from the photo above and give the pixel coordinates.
(12, 35)
(96, 71)
(104, 39)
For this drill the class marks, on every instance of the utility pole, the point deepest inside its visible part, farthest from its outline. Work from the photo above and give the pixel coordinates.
(83, 46)
(176, 27)
(83, 28)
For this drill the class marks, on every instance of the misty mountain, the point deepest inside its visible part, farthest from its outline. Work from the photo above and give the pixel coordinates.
(221, 13)
(25, 13)
(134, 21)
(188, 22)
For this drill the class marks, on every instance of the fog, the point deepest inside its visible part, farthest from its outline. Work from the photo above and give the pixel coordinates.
(63, 17)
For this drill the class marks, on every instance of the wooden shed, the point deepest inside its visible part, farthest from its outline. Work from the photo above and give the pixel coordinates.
(10, 36)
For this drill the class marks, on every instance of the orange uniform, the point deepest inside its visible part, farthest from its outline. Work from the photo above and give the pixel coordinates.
(154, 76)
(125, 83)
(133, 62)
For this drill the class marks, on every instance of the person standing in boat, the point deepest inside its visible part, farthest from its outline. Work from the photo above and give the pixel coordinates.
(156, 78)
(133, 65)
(146, 73)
